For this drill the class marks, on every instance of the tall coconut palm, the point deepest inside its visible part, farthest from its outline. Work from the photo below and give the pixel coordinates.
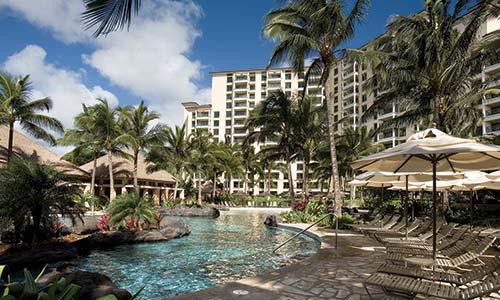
(200, 158)
(108, 134)
(250, 163)
(16, 106)
(308, 131)
(274, 117)
(430, 66)
(138, 132)
(173, 155)
(84, 137)
(109, 15)
(315, 29)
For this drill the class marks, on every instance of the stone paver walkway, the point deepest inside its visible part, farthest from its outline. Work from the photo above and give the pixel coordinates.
(329, 274)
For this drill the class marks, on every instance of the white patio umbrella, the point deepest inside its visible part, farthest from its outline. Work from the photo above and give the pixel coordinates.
(433, 151)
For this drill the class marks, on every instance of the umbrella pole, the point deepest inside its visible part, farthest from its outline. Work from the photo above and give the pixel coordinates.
(382, 201)
(471, 208)
(406, 209)
(434, 208)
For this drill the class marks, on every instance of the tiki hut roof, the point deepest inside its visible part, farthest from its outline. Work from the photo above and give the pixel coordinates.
(27, 148)
(123, 168)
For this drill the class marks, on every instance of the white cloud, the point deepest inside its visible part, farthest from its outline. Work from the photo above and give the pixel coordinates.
(61, 17)
(64, 87)
(151, 60)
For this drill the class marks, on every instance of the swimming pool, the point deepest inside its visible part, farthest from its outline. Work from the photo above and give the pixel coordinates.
(234, 246)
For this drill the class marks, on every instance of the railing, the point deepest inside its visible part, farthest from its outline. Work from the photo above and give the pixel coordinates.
(302, 231)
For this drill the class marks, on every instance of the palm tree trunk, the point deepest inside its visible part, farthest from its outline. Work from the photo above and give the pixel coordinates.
(176, 186)
(305, 179)
(290, 181)
(92, 180)
(245, 182)
(112, 192)
(11, 141)
(436, 109)
(214, 187)
(199, 187)
(136, 183)
(333, 149)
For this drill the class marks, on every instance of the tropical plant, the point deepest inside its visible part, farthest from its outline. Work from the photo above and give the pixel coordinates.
(315, 29)
(30, 193)
(200, 158)
(250, 165)
(430, 64)
(109, 15)
(16, 106)
(84, 136)
(130, 207)
(309, 129)
(108, 133)
(274, 119)
(138, 133)
(173, 156)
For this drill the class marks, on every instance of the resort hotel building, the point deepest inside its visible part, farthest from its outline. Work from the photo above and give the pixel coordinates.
(236, 92)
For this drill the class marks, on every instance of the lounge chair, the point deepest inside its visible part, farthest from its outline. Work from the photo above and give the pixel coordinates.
(476, 273)
(377, 222)
(392, 222)
(421, 238)
(401, 232)
(448, 262)
(412, 286)
(444, 242)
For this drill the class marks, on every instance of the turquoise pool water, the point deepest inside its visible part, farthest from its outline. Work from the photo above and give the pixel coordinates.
(234, 246)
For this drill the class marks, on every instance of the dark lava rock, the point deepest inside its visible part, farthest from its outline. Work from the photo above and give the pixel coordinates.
(92, 285)
(109, 239)
(271, 221)
(20, 257)
(194, 211)
(89, 225)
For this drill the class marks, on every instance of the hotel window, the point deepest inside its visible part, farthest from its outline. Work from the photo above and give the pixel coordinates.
(229, 105)
(288, 85)
(229, 96)
(228, 114)
(193, 114)
(301, 84)
(288, 76)
(286, 185)
(301, 75)
(228, 130)
(263, 95)
(335, 71)
(364, 76)
(363, 108)
(229, 88)
(335, 108)
(252, 76)
(216, 140)
(336, 118)
(363, 98)
(300, 167)
(288, 93)
(216, 114)
(193, 123)
(216, 122)
(216, 131)
(228, 122)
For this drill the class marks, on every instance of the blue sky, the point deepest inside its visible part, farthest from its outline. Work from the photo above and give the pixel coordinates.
(165, 59)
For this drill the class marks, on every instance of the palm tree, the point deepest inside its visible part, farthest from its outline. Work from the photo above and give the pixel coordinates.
(200, 158)
(173, 156)
(131, 207)
(306, 29)
(308, 131)
(249, 157)
(32, 193)
(274, 117)
(16, 105)
(109, 15)
(108, 134)
(85, 139)
(431, 67)
(137, 132)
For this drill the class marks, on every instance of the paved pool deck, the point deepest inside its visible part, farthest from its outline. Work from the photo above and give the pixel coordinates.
(328, 274)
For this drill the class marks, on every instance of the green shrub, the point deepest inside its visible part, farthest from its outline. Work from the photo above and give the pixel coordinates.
(131, 211)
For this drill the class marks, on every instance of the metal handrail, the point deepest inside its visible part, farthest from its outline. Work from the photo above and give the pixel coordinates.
(301, 232)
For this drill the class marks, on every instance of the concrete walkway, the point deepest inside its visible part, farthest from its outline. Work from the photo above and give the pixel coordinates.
(329, 274)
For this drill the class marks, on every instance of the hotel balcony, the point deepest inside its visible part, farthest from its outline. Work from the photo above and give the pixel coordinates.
(491, 100)
(494, 83)
(349, 105)
(383, 138)
(386, 115)
(492, 115)
(274, 77)
(240, 78)
(240, 104)
(350, 85)
(240, 95)
(240, 86)
(274, 86)
(493, 129)
(493, 69)
(205, 115)
(350, 75)
(349, 95)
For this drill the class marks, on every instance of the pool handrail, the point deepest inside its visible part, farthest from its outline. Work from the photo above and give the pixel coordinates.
(302, 231)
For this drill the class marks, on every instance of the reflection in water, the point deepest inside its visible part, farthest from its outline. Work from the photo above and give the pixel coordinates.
(232, 247)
